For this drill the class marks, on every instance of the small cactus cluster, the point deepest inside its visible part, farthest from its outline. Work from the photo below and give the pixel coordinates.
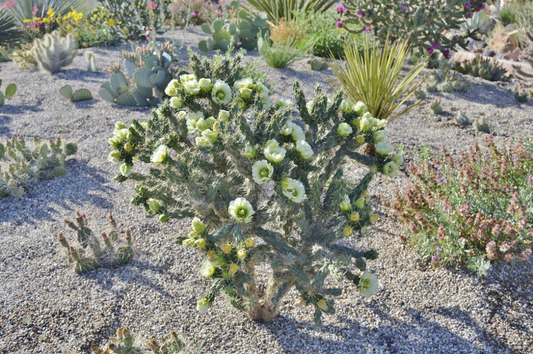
(10, 91)
(147, 73)
(242, 33)
(107, 254)
(445, 80)
(23, 57)
(420, 95)
(482, 126)
(20, 165)
(53, 52)
(124, 342)
(91, 61)
(435, 106)
(462, 119)
(318, 64)
(75, 96)
(487, 69)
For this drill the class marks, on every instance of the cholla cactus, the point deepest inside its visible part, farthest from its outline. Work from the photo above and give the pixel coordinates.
(462, 119)
(91, 61)
(263, 188)
(21, 165)
(107, 254)
(435, 106)
(53, 52)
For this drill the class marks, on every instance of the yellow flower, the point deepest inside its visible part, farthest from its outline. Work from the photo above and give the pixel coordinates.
(85, 45)
(50, 13)
(249, 242)
(354, 216)
(26, 21)
(46, 20)
(126, 31)
(111, 22)
(347, 231)
(36, 18)
(78, 17)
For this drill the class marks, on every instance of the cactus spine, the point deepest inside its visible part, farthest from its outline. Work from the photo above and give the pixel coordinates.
(53, 52)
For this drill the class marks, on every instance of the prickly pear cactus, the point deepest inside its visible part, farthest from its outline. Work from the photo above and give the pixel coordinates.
(53, 52)
(93, 252)
(75, 96)
(10, 91)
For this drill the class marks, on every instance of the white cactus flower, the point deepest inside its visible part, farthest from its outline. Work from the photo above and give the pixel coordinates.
(273, 152)
(262, 171)
(241, 210)
(221, 93)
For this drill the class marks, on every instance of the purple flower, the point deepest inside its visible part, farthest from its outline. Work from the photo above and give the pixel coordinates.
(430, 49)
(404, 8)
(360, 14)
(367, 30)
(340, 9)
(339, 24)
(193, 14)
(434, 45)
(467, 5)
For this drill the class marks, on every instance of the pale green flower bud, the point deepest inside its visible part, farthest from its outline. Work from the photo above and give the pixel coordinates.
(233, 268)
(201, 141)
(221, 93)
(284, 103)
(188, 242)
(359, 108)
(304, 149)
(360, 139)
(201, 125)
(398, 159)
(383, 148)
(223, 116)
(390, 169)
(344, 129)
(159, 155)
(360, 203)
(176, 102)
(226, 248)
(114, 156)
(153, 205)
(293, 189)
(210, 136)
(345, 204)
(366, 122)
(243, 83)
(114, 142)
(170, 90)
(187, 77)
(192, 87)
(262, 89)
(125, 169)
(119, 126)
(203, 305)
(241, 210)
(197, 225)
(273, 152)
(207, 269)
(347, 231)
(249, 151)
(309, 105)
(297, 133)
(381, 123)
(346, 106)
(241, 254)
(262, 171)
(245, 93)
(287, 128)
(249, 242)
(205, 84)
(368, 284)
(218, 260)
(374, 218)
(181, 115)
(355, 216)
(380, 135)
(200, 243)
(128, 147)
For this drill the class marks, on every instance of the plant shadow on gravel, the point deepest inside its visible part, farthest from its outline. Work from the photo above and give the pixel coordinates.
(83, 75)
(9, 109)
(4, 129)
(81, 185)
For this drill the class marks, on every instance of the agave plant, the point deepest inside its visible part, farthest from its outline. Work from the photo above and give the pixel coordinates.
(283, 9)
(9, 32)
(374, 76)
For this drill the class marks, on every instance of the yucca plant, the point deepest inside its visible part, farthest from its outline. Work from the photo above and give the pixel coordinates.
(10, 34)
(25, 9)
(374, 76)
(283, 9)
(281, 55)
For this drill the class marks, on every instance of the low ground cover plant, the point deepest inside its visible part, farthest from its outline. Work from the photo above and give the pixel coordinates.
(470, 210)
(264, 188)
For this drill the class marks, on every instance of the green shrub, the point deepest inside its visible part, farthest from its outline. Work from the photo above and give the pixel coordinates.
(264, 189)
(508, 14)
(20, 165)
(422, 22)
(524, 20)
(472, 209)
(108, 254)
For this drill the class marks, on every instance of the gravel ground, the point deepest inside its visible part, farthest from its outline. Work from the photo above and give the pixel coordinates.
(46, 308)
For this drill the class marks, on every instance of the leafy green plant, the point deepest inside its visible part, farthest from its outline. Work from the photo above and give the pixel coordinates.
(124, 343)
(241, 32)
(265, 188)
(10, 91)
(10, 33)
(471, 209)
(374, 77)
(54, 52)
(524, 20)
(508, 14)
(148, 71)
(20, 165)
(284, 9)
(422, 22)
(23, 57)
(25, 9)
(75, 96)
(480, 23)
(279, 56)
(488, 69)
(107, 254)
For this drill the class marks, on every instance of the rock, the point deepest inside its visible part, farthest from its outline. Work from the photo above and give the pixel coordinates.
(489, 53)
(478, 50)
(493, 10)
(473, 44)
(514, 55)
(502, 43)
(526, 53)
